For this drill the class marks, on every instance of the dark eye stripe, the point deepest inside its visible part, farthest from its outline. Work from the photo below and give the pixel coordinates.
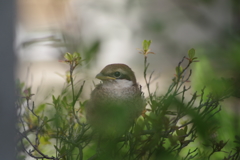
(125, 77)
(122, 76)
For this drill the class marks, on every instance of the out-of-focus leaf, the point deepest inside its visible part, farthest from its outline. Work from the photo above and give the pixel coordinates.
(191, 53)
(91, 52)
(44, 140)
(179, 70)
(146, 44)
(40, 108)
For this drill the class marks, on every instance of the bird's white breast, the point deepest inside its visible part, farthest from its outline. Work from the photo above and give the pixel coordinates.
(118, 84)
(118, 88)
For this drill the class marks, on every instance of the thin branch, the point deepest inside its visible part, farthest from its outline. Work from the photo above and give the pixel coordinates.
(35, 148)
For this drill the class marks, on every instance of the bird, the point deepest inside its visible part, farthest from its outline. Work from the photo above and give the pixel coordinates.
(115, 103)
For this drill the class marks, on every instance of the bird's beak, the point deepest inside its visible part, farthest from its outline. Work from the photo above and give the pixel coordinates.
(102, 77)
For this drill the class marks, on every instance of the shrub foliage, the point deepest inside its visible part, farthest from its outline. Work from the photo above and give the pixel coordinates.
(171, 127)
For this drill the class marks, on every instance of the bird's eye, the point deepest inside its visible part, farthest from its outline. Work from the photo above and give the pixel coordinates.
(117, 74)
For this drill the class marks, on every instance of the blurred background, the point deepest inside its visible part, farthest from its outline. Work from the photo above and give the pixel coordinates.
(110, 31)
(107, 31)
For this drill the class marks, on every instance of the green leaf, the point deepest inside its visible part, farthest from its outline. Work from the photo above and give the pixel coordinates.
(153, 116)
(55, 101)
(76, 55)
(185, 129)
(139, 126)
(57, 148)
(40, 108)
(179, 70)
(53, 98)
(191, 53)
(45, 119)
(149, 43)
(91, 51)
(68, 56)
(180, 132)
(173, 139)
(146, 44)
(48, 127)
(44, 140)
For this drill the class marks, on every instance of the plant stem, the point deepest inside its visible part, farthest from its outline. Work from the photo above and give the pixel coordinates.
(145, 77)
(71, 79)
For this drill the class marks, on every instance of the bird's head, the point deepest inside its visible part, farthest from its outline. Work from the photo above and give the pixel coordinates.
(115, 72)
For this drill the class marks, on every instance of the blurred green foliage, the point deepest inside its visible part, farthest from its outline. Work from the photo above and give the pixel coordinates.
(172, 126)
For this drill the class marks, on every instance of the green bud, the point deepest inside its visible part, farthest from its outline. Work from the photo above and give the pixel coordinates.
(179, 70)
(191, 53)
(68, 56)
